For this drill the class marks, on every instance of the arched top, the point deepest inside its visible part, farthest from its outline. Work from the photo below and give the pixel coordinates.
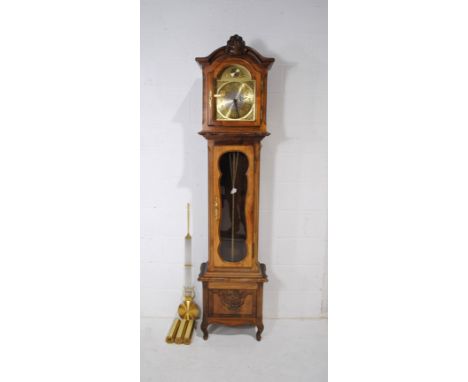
(235, 47)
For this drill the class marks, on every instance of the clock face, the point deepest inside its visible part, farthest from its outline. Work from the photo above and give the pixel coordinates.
(235, 95)
(235, 100)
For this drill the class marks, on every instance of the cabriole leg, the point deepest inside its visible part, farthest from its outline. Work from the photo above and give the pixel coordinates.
(259, 331)
(204, 328)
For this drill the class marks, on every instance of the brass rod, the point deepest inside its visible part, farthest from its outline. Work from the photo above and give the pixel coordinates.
(232, 229)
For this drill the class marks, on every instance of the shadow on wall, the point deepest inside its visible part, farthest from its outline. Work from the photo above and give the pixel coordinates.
(268, 174)
(195, 176)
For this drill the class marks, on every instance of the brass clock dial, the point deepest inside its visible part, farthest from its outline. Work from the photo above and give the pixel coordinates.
(235, 100)
(235, 97)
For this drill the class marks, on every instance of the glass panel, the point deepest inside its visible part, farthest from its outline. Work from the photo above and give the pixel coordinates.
(233, 190)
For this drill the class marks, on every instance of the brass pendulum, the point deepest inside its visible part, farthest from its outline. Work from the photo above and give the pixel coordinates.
(181, 330)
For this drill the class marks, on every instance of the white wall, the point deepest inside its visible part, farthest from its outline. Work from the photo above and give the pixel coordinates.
(293, 196)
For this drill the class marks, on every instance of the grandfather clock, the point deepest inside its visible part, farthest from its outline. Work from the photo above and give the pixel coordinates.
(234, 123)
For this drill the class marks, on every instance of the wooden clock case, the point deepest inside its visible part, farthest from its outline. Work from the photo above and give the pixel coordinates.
(233, 291)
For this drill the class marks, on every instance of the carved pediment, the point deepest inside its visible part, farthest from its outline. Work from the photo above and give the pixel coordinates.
(235, 46)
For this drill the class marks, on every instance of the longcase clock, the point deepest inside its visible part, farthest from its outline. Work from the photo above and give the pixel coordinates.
(234, 123)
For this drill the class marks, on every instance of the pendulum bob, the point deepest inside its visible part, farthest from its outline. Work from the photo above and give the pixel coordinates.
(189, 309)
(173, 331)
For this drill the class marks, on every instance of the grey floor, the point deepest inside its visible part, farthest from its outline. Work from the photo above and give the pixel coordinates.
(291, 350)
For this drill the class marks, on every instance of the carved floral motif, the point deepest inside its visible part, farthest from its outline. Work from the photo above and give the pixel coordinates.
(232, 299)
(235, 45)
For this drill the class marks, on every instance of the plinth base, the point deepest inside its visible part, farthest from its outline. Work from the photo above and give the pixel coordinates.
(233, 301)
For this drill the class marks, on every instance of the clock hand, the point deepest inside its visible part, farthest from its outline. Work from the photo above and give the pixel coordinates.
(228, 114)
(237, 107)
(240, 90)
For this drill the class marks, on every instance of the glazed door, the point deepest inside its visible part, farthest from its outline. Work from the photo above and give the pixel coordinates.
(233, 195)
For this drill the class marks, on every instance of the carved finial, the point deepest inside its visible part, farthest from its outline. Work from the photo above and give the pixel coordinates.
(235, 45)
